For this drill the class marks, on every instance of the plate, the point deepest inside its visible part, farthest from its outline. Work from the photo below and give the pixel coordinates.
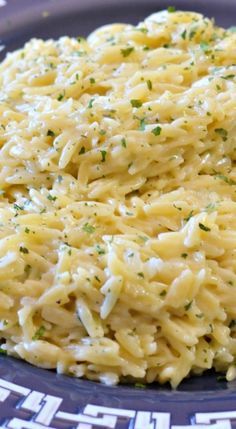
(34, 398)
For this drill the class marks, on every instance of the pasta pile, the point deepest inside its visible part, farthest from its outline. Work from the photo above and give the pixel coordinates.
(117, 206)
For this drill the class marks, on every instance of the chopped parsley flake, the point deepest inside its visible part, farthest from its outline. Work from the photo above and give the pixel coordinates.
(136, 103)
(204, 227)
(87, 227)
(82, 150)
(143, 238)
(222, 133)
(17, 207)
(186, 219)
(104, 154)
(143, 30)
(27, 230)
(221, 378)
(50, 133)
(204, 47)
(2, 351)
(60, 97)
(24, 250)
(100, 250)
(192, 34)
(91, 101)
(141, 275)
(127, 51)
(140, 385)
(92, 80)
(225, 179)
(199, 315)
(184, 255)
(178, 208)
(211, 207)
(149, 84)
(123, 142)
(39, 333)
(183, 35)
(51, 198)
(171, 9)
(228, 77)
(157, 131)
(163, 293)
(188, 306)
(142, 125)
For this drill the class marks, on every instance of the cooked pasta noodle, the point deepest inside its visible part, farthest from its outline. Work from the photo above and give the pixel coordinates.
(118, 209)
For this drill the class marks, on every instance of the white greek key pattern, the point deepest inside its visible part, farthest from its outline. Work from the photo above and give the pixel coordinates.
(45, 409)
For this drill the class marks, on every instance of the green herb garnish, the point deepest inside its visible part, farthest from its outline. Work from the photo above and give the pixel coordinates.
(100, 250)
(50, 133)
(157, 131)
(149, 84)
(141, 275)
(127, 51)
(82, 150)
(204, 47)
(104, 154)
(222, 133)
(39, 333)
(60, 97)
(24, 250)
(136, 103)
(186, 219)
(91, 101)
(143, 30)
(142, 125)
(87, 227)
(204, 227)
(221, 378)
(226, 179)
(192, 34)
(228, 76)
(140, 386)
(123, 142)
(17, 207)
(188, 306)
(51, 198)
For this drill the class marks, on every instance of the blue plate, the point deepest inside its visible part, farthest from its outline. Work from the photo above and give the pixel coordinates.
(34, 398)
